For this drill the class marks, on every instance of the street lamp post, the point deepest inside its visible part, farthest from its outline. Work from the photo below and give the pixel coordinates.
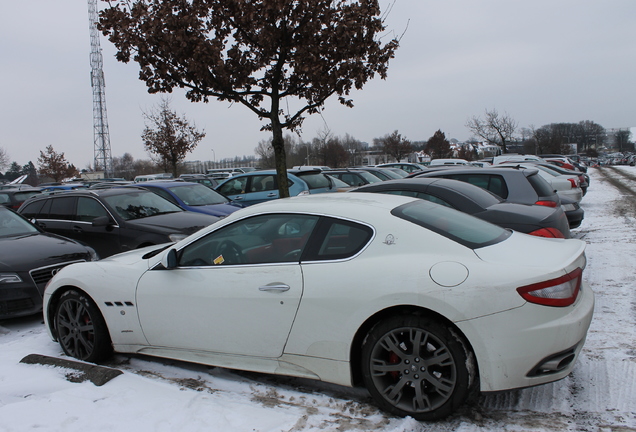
(213, 158)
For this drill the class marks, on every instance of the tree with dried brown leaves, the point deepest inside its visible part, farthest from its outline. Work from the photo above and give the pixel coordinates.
(256, 53)
(169, 136)
(54, 165)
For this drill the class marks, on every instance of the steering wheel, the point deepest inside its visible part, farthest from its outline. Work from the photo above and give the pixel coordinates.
(231, 252)
(292, 255)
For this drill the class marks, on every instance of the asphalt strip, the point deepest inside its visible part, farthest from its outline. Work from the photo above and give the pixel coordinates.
(98, 375)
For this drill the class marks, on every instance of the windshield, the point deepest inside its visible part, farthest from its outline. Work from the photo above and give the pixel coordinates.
(198, 195)
(140, 204)
(453, 224)
(12, 225)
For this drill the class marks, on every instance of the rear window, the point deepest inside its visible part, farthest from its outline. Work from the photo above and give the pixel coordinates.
(540, 185)
(460, 227)
(315, 180)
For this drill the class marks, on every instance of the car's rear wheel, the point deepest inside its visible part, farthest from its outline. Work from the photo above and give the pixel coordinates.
(81, 329)
(415, 366)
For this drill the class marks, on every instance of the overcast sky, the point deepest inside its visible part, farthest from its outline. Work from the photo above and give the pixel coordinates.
(541, 62)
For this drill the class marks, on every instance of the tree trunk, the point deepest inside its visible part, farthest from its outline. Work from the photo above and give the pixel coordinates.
(280, 158)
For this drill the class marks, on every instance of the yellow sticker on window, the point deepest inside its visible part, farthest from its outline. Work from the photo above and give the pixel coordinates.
(219, 260)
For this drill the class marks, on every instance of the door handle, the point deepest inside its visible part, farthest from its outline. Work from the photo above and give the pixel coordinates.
(77, 229)
(238, 198)
(280, 287)
(271, 194)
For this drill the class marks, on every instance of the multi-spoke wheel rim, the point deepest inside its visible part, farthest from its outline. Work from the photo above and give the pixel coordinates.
(75, 329)
(413, 369)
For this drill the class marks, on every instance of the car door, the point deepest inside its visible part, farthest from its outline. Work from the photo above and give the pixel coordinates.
(103, 237)
(218, 301)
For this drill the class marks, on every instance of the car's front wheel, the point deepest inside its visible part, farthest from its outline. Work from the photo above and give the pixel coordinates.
(415, 366)
(81, 329)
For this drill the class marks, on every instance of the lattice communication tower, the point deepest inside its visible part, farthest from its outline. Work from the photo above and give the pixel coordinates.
(103, 156)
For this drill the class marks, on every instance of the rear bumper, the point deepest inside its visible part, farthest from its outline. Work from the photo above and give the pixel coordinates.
(529, 345)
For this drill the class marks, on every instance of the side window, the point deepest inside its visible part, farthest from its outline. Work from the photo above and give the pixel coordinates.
(32, 210)
(498, 186)
(339, 239)
(88, 209)
(63, 208)
(262, 183)
(4, 199)
(272, 238)
(234, 186)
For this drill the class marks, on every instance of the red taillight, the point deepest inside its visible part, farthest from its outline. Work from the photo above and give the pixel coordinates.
(573, 182)
(548, 232)
(546, 203)
(560, 292)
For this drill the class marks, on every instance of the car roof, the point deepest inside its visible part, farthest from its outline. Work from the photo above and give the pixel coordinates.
(351, 205)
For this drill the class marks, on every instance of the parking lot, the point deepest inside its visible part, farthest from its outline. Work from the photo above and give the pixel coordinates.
(599, 395)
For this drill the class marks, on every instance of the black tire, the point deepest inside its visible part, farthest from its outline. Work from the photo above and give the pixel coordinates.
(428, 383)
(81, 329)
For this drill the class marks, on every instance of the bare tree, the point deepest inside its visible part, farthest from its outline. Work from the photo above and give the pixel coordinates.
(252, 51)
(4, 158)
(494, 128)
(169, 137)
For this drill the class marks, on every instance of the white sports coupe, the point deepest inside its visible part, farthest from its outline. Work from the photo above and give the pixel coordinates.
(422, 304)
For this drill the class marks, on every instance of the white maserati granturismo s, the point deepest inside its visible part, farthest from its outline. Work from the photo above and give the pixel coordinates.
(421, 304)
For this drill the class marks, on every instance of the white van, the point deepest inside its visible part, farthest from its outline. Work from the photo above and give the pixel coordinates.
(514, 157)
(437, 162)
(148, 177)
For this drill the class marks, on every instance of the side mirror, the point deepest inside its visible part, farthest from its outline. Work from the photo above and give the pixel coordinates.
(101, 221)
(169, 259)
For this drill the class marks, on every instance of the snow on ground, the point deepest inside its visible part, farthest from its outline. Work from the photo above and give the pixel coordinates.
(159, 395)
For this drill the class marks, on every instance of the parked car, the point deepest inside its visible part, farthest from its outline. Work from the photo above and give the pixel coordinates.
(382, 173)
(260, 186)
(355, 177)
(14, 197)
(523, 186)
(536, 220)
(114, 220)
(443, 305)
(200, 178)
(29, 258)
(193, 197)
(584, 179)
(563, 185)
(405, 166)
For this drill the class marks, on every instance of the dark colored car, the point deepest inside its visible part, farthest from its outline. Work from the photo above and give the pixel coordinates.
(354, 177)
(193, 197)
(382, 173)
(29, 258)
(114, 220)
(523, 186)
(14, 197)
(405, 166)
(536, 220)
(200, 178)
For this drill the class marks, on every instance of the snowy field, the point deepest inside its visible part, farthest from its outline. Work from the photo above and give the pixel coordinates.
(158, 395)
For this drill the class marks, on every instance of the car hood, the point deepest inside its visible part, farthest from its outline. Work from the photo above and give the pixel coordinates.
(219, 210)
(39, 250)
(182, 222)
